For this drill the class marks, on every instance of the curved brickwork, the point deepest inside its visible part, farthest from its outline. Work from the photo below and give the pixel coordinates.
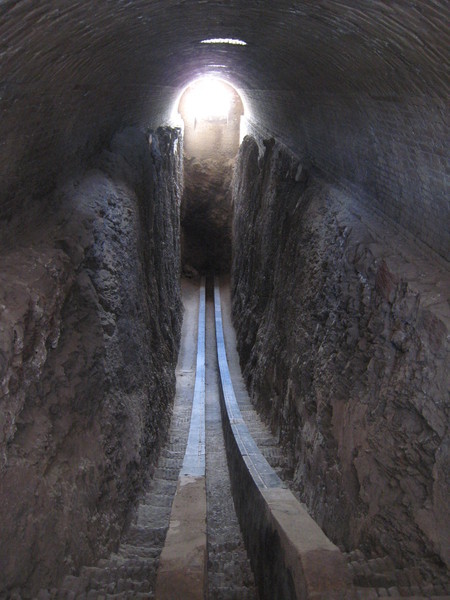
(359, 89)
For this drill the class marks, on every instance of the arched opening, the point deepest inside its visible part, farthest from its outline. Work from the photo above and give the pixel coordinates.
(211, 110)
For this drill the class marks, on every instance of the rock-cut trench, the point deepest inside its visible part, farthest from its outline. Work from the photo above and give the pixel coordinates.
(326, 228)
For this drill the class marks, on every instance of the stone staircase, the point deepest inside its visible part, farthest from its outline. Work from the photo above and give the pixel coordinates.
(130, 573)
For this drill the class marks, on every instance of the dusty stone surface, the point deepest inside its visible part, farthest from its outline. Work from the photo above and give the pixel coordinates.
(290, 555)
(206, 135)
(342, 328)
(130, 571)
(89, 324)
(182, 565)
(371, 576)
(230, 575)
(206, 215)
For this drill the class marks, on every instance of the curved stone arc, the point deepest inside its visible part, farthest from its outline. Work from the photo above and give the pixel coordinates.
(291, 556)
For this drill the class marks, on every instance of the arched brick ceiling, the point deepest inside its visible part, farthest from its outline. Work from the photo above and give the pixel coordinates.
(73, 72)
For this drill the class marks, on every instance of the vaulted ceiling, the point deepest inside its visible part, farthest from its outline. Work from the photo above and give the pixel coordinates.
(359, 88)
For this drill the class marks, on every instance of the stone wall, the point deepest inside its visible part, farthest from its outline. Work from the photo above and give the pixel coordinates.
(206, 215)
(342, 327)
(89, 326)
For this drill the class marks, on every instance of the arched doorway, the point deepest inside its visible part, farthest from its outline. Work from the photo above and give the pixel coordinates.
(211, 110)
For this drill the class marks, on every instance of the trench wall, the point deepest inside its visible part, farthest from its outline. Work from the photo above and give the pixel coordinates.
(387, 148)
(89, 327)
(342, 327)
(206, 215)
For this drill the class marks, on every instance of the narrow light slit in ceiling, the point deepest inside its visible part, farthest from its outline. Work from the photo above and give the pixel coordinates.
(232, 41)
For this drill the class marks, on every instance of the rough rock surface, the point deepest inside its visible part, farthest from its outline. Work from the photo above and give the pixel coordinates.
(342, 327)
(89, 327)
(206, 214)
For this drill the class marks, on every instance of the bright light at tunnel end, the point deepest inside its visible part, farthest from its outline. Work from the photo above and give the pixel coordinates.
(176, 120)
(208, 98)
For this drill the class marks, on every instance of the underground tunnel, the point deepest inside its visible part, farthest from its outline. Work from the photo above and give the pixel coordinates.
(224, 335)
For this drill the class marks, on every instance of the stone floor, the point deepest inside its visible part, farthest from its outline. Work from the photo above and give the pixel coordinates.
(229, 573)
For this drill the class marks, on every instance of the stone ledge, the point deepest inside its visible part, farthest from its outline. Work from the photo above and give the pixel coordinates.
(291, 556)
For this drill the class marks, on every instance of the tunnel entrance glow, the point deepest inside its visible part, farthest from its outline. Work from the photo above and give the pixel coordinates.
(211, 110)
(208, 99)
